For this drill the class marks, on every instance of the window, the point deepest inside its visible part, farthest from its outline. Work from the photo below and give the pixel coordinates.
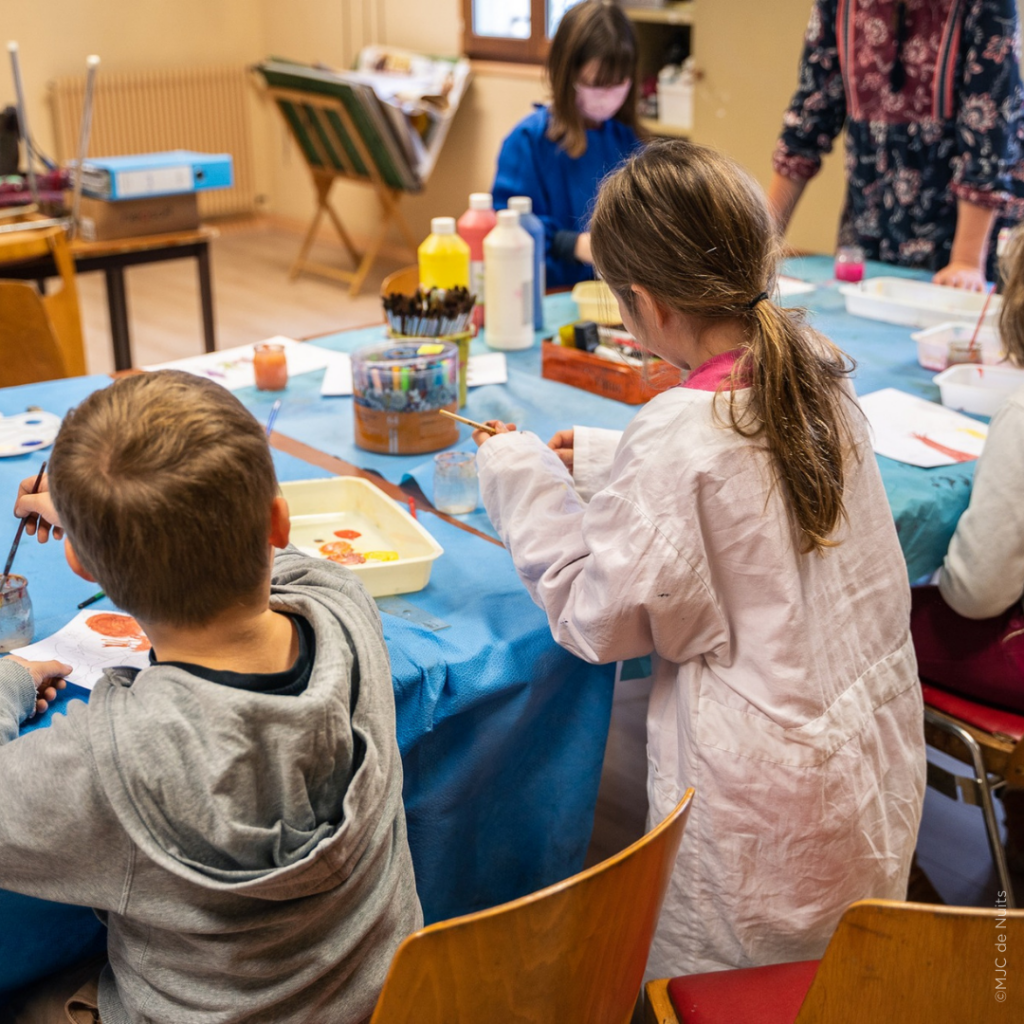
(516, 30)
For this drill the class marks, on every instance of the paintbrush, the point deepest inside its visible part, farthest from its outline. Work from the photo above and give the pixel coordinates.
(469, 423)
(272, 418)
(981, 320)
(21, 529)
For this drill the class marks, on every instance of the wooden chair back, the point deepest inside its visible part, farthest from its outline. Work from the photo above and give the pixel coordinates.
(575, 951)
(60, 309)
(918, 963)
(29, 350)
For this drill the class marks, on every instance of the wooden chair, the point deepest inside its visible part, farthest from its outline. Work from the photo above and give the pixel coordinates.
(911, 963)
(40, 336)
(575, 951)
(994, 742)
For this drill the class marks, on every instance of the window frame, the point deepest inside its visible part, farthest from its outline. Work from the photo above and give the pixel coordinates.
(533, 50)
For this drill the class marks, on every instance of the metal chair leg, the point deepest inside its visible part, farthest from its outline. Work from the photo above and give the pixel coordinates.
(983, 790)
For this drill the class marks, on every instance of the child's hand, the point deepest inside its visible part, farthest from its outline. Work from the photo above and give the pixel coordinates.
(41, 504)
(562, 445)
(499, 428)
(47, 675)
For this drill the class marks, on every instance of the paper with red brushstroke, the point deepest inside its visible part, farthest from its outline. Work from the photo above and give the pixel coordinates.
(921, 433)
(91, 642)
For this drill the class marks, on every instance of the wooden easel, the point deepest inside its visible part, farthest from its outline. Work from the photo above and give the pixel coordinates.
(314, 121)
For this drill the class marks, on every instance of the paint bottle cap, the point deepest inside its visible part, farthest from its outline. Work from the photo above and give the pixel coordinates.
(442, 226)
(480, 201)
(521, 204)
(508, 218)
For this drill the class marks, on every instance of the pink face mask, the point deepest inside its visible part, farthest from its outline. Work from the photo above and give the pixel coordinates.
(599, 103)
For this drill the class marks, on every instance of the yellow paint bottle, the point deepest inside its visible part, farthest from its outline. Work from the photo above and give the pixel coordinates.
(443, 256)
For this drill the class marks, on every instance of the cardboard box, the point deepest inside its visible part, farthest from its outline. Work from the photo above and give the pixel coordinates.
(102, 221)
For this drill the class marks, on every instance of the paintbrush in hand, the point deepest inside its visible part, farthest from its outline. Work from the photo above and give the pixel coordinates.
(21, 529)
(468, 422)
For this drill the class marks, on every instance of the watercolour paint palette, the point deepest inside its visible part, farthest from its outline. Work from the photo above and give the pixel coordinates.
(27, 432)
(321, 510)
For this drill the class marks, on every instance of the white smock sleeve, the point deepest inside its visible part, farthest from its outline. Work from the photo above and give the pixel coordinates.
(612, 585)
(593, 453)
(983, 573)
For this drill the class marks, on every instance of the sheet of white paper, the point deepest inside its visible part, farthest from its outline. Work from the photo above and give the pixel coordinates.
(793, 286)
(338, 378)
(489, 368)
(91, 642)
(919, 432)
(232, 367)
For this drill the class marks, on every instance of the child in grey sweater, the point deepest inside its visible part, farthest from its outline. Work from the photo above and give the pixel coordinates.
(234, 811)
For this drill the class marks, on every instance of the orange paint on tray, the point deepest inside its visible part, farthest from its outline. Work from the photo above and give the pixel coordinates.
(336, 548)
(347, 534)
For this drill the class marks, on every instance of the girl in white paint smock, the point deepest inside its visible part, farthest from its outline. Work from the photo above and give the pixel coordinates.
(739, 532)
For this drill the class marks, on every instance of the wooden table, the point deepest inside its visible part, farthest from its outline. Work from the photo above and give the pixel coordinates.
(112, 257)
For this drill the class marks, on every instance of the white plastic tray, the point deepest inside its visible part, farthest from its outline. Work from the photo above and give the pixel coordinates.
(916, 303)
(945, 344)
(978, 389)
(319, 507)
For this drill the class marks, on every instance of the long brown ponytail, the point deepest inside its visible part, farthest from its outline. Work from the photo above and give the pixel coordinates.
(693, 228)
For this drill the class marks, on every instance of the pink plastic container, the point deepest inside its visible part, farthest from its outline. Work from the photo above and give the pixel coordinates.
(473, 227)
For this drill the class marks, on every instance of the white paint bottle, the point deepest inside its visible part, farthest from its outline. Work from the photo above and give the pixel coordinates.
(508, 284)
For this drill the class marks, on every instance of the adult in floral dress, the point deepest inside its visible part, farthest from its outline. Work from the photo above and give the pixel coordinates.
(930, 94)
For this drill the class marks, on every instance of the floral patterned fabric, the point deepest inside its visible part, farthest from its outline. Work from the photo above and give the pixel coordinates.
(953, 130)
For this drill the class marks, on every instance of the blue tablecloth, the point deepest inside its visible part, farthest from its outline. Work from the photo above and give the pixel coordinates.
(926, 503)
(502, 732)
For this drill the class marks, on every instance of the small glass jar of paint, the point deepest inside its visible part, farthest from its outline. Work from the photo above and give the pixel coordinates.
(270, 366)
(849, 263)
(17, 624)
(456, 488)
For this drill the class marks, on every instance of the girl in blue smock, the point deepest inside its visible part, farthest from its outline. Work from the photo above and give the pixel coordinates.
(559, 154)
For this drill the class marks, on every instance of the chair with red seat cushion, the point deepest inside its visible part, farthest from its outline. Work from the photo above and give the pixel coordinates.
(755, 995)
(994, 741)
(911, 963)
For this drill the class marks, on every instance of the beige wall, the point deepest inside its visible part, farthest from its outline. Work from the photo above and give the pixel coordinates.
(749, 51)
(748, 48)
(55, 37)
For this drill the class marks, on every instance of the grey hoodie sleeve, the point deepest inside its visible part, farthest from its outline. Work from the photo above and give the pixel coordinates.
(17, 698)
(983, 573)
(59, 838)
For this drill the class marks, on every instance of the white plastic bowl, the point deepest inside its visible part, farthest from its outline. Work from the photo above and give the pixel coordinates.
(970, 387)
(916, 303)
(319, 507)
(947, 344)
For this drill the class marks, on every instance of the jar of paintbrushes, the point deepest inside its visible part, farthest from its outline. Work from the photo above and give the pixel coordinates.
(444, 314)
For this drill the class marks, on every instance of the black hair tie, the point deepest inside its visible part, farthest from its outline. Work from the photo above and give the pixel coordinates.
(760, 298)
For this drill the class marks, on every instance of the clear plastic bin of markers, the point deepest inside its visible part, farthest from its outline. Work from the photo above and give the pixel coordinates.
(398, 389)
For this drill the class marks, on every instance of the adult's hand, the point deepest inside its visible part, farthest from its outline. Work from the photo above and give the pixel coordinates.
(582, 250)
(961, 275)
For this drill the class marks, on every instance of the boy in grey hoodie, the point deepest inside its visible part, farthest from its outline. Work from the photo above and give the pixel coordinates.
(233, 812)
